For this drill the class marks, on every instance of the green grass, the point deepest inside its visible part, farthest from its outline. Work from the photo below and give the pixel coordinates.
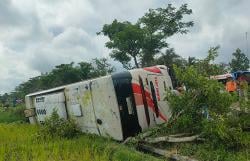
(18, 142)
(12, 114)
(207, 152)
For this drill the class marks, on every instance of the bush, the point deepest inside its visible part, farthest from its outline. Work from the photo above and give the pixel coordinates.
(54, 126)
(220, 132)
(205, 108)
(203, 96)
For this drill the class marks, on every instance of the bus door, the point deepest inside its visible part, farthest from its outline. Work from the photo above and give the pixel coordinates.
(157, 103)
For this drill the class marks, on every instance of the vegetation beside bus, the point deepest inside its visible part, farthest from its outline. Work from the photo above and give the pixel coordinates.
(18, 142)
(205, 109)
(12, 114)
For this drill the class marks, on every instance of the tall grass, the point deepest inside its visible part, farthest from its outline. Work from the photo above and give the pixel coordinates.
(12, 114)
(18, 142)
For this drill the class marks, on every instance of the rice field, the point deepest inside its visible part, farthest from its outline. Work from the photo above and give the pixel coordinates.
(18, 142)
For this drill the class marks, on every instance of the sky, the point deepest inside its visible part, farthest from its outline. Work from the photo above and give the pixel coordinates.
(36, 35)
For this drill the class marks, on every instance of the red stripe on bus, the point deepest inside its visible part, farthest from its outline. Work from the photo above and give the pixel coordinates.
(136, 88)
(153, 69)
(137, 91)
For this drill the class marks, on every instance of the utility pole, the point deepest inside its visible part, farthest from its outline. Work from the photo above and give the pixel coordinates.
(247, 54)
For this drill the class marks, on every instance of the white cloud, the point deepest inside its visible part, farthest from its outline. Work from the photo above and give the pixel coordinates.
(13, 69)
(221, 23)
(36, 35)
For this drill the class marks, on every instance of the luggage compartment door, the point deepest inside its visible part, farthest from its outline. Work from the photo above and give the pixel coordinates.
(45, 104)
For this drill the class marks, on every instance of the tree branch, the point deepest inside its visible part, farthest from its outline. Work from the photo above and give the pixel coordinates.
(165, 153)
(172, 139)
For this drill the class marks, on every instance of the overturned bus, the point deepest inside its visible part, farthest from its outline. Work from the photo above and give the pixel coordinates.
(118, 106)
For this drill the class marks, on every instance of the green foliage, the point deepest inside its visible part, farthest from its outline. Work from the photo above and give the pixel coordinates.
(159, 24)
(125, 40)
(191, 61)
(12, 114)
(206, 67)
(60, 75)
(240, 61)
(205, 152)
(101, 67)
(204, 109)
(54, 126)
(18, 142)
(220, 131)
(145, 39)
(202, 91)
(170, 58)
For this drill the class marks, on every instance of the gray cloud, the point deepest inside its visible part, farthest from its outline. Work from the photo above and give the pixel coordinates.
(37, 35)
(221, 23)
(9, 15)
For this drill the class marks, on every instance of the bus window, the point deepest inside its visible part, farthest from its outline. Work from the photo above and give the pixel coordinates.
(144, 99)
(154, 98)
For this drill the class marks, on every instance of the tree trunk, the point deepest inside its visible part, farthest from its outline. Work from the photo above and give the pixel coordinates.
(136, 63)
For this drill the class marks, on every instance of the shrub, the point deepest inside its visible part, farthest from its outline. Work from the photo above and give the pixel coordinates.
(54, 126)
(205, 108)
(203, 96)
(220, 132)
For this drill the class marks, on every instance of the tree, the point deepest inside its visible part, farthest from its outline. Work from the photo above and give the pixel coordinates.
(143, 40)
(159, 24)
(102, 67)
(61, 75)
(240, 61)
(206, 67)
(204, 109)
(125, 41)
(64, 74)
(169, 58)
(191, 60)
(4, 98)
(86, 70)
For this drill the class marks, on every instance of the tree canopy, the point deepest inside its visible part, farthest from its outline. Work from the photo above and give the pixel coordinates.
(239, 61)
(159, 24)
(61, 75)
(206, 66)
(125, 40)
(145, 39)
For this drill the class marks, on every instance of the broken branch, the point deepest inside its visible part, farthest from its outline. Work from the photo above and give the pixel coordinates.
(165, 153)
(172, 139)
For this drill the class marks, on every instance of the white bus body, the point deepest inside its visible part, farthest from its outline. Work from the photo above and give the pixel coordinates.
(117, 106)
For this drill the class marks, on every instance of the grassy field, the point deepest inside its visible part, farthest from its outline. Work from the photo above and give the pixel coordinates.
(205, 152)
(18, 142)
(13, 114)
